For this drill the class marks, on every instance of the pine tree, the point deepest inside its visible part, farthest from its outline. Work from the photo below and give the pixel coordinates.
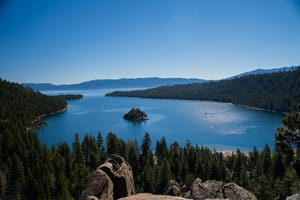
(77, 153)
(277, 166)
(112, 144)
(161, 150)
(164, 176)
(266, 161)
(146, 154)
(101, 149)
(133, 159)
(175, 160)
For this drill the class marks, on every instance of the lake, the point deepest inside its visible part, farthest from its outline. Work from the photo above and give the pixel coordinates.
(222, 126)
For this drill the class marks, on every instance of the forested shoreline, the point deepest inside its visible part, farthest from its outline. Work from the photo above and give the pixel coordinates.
(31, 170)
(279, 92)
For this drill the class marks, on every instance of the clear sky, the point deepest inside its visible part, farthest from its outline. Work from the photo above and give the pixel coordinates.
(69, 41)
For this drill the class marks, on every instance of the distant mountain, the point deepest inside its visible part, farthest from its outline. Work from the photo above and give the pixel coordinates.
(114, 83)
(278, 91)
(264, 71)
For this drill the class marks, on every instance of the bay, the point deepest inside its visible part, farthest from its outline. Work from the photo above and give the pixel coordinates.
(220, 126)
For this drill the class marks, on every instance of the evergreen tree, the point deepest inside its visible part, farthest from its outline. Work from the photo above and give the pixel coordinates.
(277, 166)
(133, 159)
(77, 154)
(288, 139)
(147, 181)
(161, 150)
(175, 160)
(266, 161)
(146, 154)
(101, 149)
(112, 144)
(164, 177)
(80, 171)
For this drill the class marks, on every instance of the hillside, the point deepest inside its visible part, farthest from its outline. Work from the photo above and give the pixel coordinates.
(24, 161)
(276, 91)
(22, 105)
(114, 83)
(264, 71)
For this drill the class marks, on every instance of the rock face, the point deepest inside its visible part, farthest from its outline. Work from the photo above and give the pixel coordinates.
(112, 180)
(208, 189)
(120, 173)
(212, 189)
(173, 189)
(99, 186)
(135, 115)
(234, 192)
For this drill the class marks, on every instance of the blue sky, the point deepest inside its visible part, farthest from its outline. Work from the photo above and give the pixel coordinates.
(64, 41)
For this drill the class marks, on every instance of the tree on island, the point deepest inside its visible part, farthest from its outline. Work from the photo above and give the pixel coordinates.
(136, 115)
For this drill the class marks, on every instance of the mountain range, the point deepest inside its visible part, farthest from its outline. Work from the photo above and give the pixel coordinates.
(115, 83)
(140, 82)
(264, 71)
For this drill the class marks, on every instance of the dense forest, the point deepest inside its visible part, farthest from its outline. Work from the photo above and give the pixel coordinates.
(276, 91)
(31, 170)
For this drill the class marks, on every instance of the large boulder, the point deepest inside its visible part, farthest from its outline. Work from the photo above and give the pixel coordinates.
(173, 188)
(233, 191)
(212, 189)
(112, 180)
(196, 188)
(208, 189)
(99, 187)
(120, 173)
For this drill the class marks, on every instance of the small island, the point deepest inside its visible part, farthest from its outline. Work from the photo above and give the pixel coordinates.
(135, 115)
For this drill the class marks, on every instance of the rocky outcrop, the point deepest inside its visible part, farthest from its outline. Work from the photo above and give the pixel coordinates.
(294, 197)
(120, 173)
(233, 191)
(208, 189)
(173, 188)
(212, 189)
(112, 180)
(99, 186)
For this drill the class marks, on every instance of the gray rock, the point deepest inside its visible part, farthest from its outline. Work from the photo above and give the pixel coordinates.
(196, 188)
(212, 188)
(173, 188)
(120, 173)
(112, 180)
(233, 191)
(188, 194)
(99, 186)
(208, 189)
(294, 197)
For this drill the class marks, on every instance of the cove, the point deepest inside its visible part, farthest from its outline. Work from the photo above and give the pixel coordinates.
(220, 126)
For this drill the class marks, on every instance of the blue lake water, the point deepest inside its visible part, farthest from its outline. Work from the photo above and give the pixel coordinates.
(222, 126)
